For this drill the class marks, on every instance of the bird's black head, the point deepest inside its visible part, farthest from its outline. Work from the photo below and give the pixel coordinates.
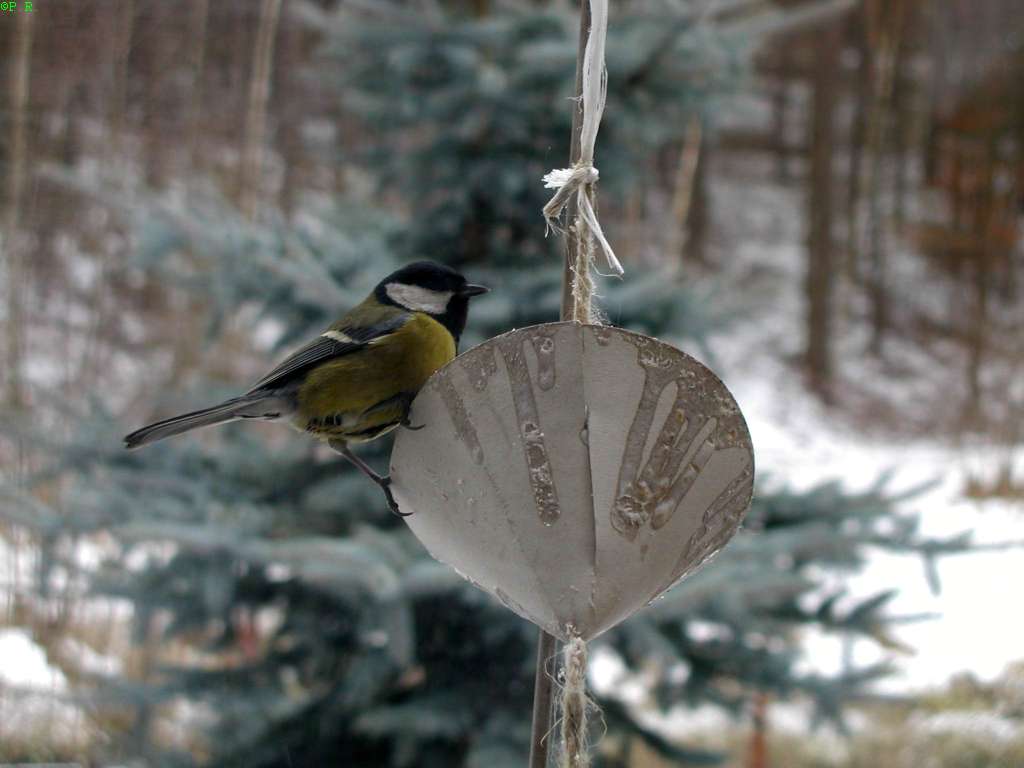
(437, 290)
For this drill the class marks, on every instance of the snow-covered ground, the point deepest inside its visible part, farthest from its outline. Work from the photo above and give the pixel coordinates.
(981, 628)
(31, 694)
(25, 664)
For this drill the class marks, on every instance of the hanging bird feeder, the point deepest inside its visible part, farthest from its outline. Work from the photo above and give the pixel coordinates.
(585, 471)
(574, 471)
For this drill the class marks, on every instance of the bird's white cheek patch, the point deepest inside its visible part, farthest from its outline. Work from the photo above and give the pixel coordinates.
(419, 299)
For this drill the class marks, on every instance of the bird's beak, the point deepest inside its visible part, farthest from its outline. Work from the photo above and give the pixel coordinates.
(469, 289)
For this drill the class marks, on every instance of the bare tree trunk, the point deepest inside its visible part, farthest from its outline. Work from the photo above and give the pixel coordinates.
(682, 240)
(858, 136)
(698, 220)
(123, 46)
(141, 668)
(885, 25)
(633, 230)
(149, 44)
(758, 755)
(1014, 204)
(977, 335)
(256, 114)
(904, 119)
(984, 226)
(288, 100)
(938, 82)
(957, 149)
(930, 148)
(780, 111)
(201, 14)
(820, 281)
(72, 140)
(877, 289)
(11, 250)
(18, 138)
(91, 343)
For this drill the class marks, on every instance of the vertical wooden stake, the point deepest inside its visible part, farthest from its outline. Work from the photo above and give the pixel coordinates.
(572, 240)
(543, 699)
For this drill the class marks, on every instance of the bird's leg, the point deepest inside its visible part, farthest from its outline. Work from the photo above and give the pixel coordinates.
(383, 481)
(409, 425)
(405, 419)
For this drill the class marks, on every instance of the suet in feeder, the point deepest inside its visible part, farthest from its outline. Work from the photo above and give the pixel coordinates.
(575, 472)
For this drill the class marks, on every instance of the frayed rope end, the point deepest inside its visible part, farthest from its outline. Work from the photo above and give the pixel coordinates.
(574, 706)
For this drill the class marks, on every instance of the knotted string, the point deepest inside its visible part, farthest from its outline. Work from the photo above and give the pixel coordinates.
(581, 178)
(580, 181)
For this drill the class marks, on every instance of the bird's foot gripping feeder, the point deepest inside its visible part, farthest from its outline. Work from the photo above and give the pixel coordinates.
(585, 471)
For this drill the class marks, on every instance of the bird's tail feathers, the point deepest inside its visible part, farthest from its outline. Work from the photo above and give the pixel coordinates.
(229, 410)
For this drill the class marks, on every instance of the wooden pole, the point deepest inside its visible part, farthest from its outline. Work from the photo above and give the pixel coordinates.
(572, 240)
(543, 700)
(758, 755)
(547, 645)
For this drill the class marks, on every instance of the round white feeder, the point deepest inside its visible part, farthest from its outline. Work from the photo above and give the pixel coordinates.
(574, 472)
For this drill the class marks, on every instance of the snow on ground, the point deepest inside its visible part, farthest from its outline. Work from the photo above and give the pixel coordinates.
(30, 693)
(981, 627)
(25, 664)
(759, 236)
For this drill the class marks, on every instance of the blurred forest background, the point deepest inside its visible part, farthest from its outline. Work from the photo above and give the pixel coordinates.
(821, 198)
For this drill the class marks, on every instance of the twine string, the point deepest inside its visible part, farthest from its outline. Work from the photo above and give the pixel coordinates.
(574, 704)
(580, 180)
(583, 176)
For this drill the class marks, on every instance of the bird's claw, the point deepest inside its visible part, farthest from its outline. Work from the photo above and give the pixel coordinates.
(385, 486)
(382, 481)
(414, 428)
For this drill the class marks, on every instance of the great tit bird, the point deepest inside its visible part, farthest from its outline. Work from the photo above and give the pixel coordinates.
(356, 380)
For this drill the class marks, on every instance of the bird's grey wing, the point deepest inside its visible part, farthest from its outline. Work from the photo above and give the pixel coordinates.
(330, 344)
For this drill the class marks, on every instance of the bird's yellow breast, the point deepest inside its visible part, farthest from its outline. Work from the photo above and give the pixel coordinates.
(351, 394)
